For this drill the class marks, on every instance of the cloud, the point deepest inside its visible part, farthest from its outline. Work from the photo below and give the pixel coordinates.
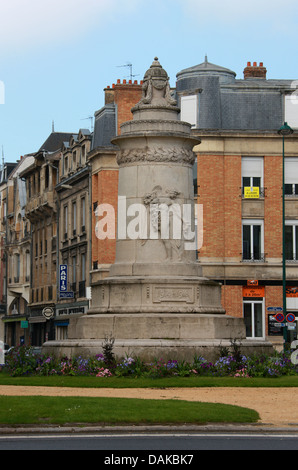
(37, 22)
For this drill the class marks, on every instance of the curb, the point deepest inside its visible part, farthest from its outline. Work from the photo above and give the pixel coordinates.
(252, 429)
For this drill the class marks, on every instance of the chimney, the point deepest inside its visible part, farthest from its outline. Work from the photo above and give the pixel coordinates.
(255, 70)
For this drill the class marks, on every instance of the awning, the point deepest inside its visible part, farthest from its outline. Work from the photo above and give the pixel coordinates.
(13, 319)
(40, 319)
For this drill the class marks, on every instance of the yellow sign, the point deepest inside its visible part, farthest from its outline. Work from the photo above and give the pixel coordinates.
(251, 192)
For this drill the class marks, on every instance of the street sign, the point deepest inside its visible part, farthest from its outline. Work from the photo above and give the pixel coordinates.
(48, 312)
(279, 317)
(24, 324)
(274, 309)
(290, 317)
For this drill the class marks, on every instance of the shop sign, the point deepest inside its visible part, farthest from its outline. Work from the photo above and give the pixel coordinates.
(63, 277)
(254, 291)
(251, 192)
(48, 312)
(292, 291)
(66, 295)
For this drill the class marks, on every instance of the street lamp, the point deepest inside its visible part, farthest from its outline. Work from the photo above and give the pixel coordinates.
(284, 131)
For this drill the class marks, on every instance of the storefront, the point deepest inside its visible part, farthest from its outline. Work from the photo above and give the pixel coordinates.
(16, 330)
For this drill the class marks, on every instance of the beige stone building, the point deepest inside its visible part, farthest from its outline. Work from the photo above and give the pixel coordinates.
(41, 210)
(18, 257)
(74, 230)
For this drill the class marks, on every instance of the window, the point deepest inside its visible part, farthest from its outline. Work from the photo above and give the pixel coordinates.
(253, 318)
(65, 165)
(65, 221)
(291, 177)
(74, 218)
(291, 110)
(74, 158)
(83, 267)
(252, 176)
(189, 109)
(61, 332)
(17, 268)
(291, 240)
(252, 240)
(74, 274)
(83, 214)
(83, 154)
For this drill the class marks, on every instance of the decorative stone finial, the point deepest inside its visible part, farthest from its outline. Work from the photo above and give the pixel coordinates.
(156, 87)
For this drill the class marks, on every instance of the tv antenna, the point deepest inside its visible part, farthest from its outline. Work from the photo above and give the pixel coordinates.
(91, 121)
(130, 69)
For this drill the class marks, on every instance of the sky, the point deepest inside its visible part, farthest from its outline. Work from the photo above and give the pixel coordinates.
(57, 56)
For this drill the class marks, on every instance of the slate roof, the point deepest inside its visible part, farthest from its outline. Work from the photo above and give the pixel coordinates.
(233, 104)
(55, 141)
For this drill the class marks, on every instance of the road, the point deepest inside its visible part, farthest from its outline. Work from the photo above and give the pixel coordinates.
(113, 445)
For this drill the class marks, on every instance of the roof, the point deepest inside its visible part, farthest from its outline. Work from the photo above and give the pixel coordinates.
(55, 141)
(205, 67)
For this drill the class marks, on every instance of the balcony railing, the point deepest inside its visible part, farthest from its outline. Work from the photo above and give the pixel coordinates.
(253, 258)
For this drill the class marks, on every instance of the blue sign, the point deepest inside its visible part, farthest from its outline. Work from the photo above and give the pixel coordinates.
(274, 309)
(63, 277)
(66, 295)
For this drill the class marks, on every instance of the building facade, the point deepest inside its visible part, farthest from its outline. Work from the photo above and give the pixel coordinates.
(5, 172)
(41, 210)
(74, 230)
(240, 181)
(18, 256)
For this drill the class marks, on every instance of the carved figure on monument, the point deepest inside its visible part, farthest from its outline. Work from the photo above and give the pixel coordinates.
(166, 221)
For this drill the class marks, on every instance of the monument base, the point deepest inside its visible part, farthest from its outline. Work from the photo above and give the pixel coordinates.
(155, 336)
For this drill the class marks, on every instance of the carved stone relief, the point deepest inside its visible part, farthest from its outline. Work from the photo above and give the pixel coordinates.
(156, 154)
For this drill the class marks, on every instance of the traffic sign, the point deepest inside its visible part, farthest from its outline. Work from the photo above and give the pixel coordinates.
(274, 309)
(279, 317)
(290, 317)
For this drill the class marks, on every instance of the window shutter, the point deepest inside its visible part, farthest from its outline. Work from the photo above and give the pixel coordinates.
(189, 109)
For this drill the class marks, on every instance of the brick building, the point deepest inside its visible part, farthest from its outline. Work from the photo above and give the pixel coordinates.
(119, 99)
(239, 177)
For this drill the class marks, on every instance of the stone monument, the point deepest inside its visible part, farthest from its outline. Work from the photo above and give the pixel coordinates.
(155, 302)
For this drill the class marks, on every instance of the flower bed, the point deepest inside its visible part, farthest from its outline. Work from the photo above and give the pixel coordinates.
(23, 361)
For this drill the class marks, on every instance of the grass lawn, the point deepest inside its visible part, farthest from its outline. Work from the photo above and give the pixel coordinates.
(124, 382)
(113, 411)
(81, 410)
